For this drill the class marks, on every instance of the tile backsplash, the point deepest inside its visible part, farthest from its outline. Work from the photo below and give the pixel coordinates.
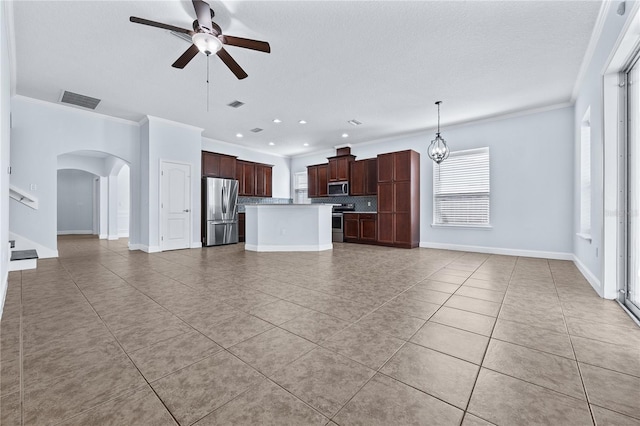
(260, 200)
(362, 203)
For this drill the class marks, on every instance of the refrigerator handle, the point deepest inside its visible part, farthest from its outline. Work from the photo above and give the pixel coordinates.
(224, 208)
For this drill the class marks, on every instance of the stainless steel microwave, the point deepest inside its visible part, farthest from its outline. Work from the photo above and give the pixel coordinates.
(338, 189)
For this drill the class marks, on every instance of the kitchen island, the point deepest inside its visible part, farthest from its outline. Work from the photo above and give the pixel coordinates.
(288, 227)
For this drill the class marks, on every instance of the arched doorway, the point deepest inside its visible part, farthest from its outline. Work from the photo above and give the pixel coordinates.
(110, 193)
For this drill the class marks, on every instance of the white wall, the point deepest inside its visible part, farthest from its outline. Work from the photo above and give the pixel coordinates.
(75, 202)
(589, 254)
(281, 165)
(34, 153)
(123, 202)
(531, 182)
(5, 134)
(164, 140)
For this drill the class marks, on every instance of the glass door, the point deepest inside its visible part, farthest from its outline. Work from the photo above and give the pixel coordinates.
(632, 290)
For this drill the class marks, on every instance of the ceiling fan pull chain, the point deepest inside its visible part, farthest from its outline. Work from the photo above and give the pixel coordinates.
(208, 56)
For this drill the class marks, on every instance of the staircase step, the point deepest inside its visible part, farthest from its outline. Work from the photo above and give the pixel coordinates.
(23, 255)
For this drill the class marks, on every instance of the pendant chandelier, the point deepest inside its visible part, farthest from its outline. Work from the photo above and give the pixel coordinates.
(438, 150)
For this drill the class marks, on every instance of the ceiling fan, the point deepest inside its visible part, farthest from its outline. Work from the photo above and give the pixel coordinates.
(207, 38)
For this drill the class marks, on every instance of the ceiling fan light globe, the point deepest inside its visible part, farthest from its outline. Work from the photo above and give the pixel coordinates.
(206, 43)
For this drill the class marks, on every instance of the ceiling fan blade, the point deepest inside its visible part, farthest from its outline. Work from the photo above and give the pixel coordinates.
(159, 25)
(187, 56)
(232, 64)
(203, 12)
(261, 46)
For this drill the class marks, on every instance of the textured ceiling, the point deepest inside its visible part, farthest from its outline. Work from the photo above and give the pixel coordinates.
(383, 63)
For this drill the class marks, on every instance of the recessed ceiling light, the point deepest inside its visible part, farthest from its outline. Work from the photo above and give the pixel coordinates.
(345, 135)
(238, 135)
(354, 122)
(277, 120)
(306, 144)
(271, 143)
(302, 122)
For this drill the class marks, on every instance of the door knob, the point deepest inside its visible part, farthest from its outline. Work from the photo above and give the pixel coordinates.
(186, 210)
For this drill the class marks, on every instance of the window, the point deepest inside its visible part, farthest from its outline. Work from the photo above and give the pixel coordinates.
(585, 175)
(461, 189)
(300, 188)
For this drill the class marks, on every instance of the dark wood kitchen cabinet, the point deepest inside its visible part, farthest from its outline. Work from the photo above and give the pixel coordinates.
(246, 176)
(254, 179)
(364, 177)
(263, 186)
(241, 227)
(360, 228)
(339, 168)
(317, 180)
(399, 199)
(218, 165)
(368, 227)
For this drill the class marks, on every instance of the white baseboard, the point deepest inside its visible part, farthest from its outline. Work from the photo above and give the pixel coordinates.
(590, 277)
(501, 251)
(102, 236)
(197, 244)
(112, 237)
(253, 247)
(23, 243)
(76, 232)
(145, 248)
(123, 234)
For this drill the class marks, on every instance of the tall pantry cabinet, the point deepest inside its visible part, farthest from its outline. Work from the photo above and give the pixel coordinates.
(399, 199)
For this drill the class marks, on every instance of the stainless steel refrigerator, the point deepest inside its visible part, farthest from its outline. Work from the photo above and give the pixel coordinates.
(220, 204)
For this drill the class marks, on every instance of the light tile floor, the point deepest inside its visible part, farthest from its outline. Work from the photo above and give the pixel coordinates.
(360, 335)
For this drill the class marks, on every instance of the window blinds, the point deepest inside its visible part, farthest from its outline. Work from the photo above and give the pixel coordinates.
(301, 188)
(461, 188)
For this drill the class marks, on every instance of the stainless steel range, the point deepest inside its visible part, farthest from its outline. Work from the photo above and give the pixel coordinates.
(337, 220)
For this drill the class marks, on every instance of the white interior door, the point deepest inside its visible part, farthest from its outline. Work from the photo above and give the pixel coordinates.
(175, 206)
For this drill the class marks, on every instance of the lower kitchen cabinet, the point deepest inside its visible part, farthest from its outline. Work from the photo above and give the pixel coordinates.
(368, 225)
(360, 228)
(241, 227)
(351, 224)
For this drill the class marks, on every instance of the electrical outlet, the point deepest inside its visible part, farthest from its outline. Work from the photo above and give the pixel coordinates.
(34, 187)
(369, 203)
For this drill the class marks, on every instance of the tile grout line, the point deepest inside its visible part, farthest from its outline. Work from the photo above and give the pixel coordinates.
(584, 387)
(223, 349)
(119, 344)
(475, 382)
(378, 371)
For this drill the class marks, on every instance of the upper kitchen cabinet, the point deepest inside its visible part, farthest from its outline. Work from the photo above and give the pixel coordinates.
(317, 179)
(364, 177)
(254, 179)
(246, 176)
(339, 168)
(218, 165)
(263, 180)
(399, 199)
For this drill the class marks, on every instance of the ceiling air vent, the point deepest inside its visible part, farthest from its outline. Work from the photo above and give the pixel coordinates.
(354, 122)
(236, 104)
(79, 100)
(257, 130)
